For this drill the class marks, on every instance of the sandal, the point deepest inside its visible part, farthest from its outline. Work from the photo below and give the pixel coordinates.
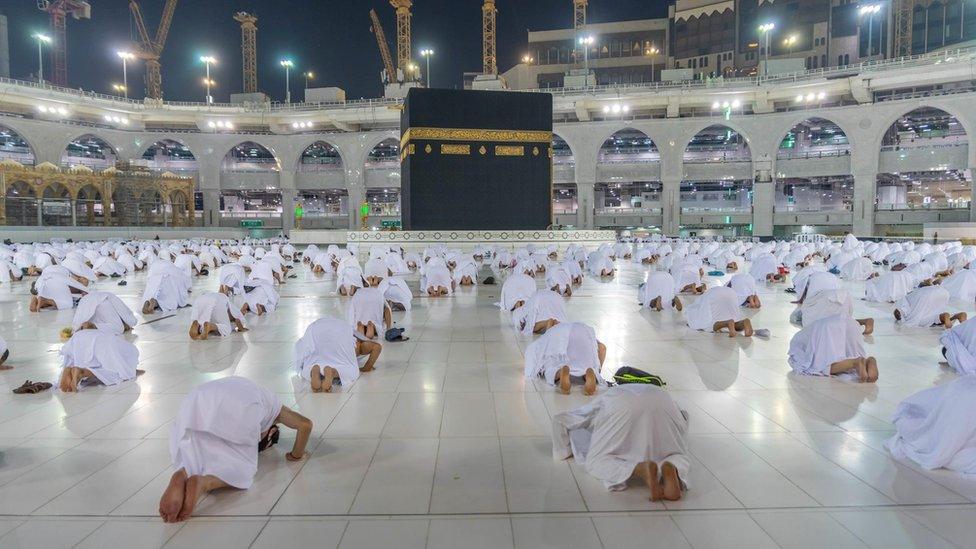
(29, 387)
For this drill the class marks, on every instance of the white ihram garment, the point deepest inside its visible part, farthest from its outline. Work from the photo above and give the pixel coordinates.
(922, 306)
(570, 344)
(718, 304)
(328, 342)
(216, 308)
(109, 357)
(824, 342)
(960, 347)
(106, 311)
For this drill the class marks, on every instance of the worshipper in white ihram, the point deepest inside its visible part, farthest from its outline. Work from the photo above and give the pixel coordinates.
(565, 353)
(369, 313)
(659, 291)
(560, 281)
(746, 289)
(56, 290)
(959, 347)
(832, 345)
(260, 297)
(215, 439)
(889, 287)
(542, 311)
(961, 286)
(516, 290)
(213, 313)
(328, 351)
(437, 281)
(935, 429)
(716, 310)
(166, 288)
(105, 311)
(629, 431)
(926, 306)
(96, 355)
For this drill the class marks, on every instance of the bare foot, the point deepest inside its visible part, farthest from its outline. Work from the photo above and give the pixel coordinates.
(316, 379)
(589, 385)
(677, 304)
(564, 381)
(945, 320)
(731, 328)
(172, 500)
(868, 324)
(672, 484)
(862, 370)
(747, 328)
(871, 364)
(330, 375)
(647, 471)
(191, 494)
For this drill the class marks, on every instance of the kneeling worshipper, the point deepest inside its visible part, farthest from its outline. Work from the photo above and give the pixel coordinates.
(213, 313)
(567, 352)
(350, 277)
(375, 271)
(260, 297)
(97, 355)
(369, 313)
(542, 311)
(516, 290)
(658, 291)
(832, 345)
(925, 307)
(466, 271)
(718, 309)
(79, 270)
(600, 264)
(107, 266)
(889, 287)
(765, 268)
(55, 290)
(559, 281)
(10, 272)
(959, 347)
(826, 303)
(436, 280)
(328, 352)
(935, 427)
(167, 288)
(231, 277)
(858, 269)
(574, 269)
(630, 431)
(396, 293)
(688, 277)
(105, 311)
(745, 287)
(215, 439)
(961, 286)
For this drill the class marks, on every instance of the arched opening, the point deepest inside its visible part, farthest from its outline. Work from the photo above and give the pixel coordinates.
(322, 204)
(383, 202)
(565, 194)
(125, 208)
(623, 187)
(924, 163)
(56, 206)
(384, 154)
(89, 207)
(167, 155)
(318, 157)
(814, 138)
(90, 151)
(15, 147)
(724, 188)
(21, 204)
(249, 184)
(179, 210)
(821, 146)
(152, 209)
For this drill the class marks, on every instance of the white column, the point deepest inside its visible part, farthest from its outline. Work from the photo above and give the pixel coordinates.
(287, 181)
(763, 202)
(671, 205)
(211, 207)
(972, 195)
(74, 212)
(865, 188)
(356, 196)
(585, 204)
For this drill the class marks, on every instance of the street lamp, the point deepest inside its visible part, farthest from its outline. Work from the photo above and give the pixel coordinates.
(309, 75)
(41, 40)
(766, 28)
(207, 60)
(870, 10)
(790, 42)
(652, 51)
(287, 64)
(119, 88)
(586, 41)
(125, 56)
(528, 59)
(427, 54)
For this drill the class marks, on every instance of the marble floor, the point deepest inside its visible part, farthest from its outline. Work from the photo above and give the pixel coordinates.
(447, 445)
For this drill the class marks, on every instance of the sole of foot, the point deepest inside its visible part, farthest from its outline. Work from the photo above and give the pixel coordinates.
(871, 365)
(672, 484)
(589, 385)
(564, 381)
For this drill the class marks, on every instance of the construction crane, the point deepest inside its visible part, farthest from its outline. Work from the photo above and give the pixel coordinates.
(579, 24)
(903, 27)
(388, 70)
(59, 10)
(488, 49)
(403, 37)
(150, 50)
(249, 49)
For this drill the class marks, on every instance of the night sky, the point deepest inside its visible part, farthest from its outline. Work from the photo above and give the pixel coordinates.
(329, 37)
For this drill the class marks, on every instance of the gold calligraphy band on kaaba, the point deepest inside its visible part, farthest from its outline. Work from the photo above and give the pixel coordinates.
(509, 150)
(458, 134)
(456, 149)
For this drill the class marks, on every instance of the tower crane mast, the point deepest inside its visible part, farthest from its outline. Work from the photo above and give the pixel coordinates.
(391, 75)
(58, 11)
(151, 49)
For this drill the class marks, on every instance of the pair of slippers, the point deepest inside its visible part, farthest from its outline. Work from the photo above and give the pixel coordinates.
(30, 387)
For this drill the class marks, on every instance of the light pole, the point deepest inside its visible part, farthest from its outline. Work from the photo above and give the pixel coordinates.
(528, 59)
(586, 41)
(287, 64)
(41, 40)
(207, 60)
(309, 75)
(790, 42)
(652, 51)
(120, 88)
(870, 11)
(125, 56)
(427, 54)
(766, 28)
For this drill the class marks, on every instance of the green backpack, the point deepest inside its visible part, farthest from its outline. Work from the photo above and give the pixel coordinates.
(627, 375)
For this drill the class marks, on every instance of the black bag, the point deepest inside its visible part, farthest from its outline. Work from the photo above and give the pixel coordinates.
(626, 375)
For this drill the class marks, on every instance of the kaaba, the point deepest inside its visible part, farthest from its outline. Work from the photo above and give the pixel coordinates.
(475, 160)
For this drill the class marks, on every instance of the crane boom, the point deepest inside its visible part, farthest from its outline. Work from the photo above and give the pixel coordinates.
(164, 23)
(488, 46)
(152, 50)
(59, 10)
(391, 75)
(403, 30)
(140, 24)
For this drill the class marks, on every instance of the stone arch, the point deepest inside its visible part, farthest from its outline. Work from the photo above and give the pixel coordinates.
(629, 140)
(316, 150)
(20, 204)
(820, 129)
(56, 205)
(383, 151)
(89, 203)
(893, 119)
(15, 146)
(105, 155)
(265, 156)
(714, 130)
(183, 159)
(179, 205)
